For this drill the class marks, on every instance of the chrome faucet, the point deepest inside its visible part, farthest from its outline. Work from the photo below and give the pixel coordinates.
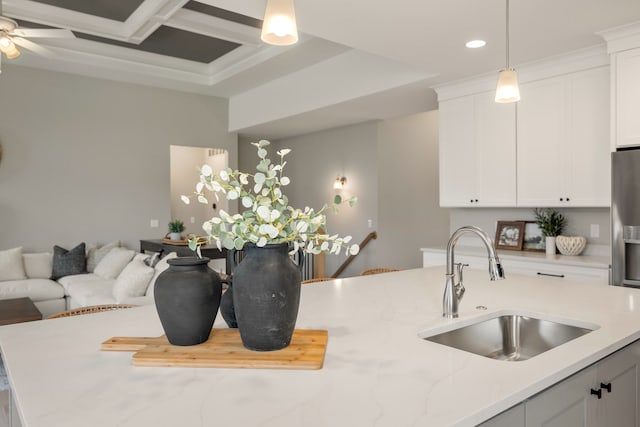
(453, 292)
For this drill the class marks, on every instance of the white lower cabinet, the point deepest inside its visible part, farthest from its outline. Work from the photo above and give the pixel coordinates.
(605, 394)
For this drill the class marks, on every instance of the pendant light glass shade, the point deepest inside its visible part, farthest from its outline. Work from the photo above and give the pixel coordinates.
(507, 89)
(279, 25)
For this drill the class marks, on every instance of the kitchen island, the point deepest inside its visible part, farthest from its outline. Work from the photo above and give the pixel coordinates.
(377, 372)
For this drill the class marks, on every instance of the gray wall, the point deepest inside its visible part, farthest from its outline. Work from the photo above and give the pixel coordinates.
(88, 159)
(579, 222)
(391, 166)
(410, 217)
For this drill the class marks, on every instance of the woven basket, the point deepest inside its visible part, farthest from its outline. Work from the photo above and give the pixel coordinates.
(571, 245)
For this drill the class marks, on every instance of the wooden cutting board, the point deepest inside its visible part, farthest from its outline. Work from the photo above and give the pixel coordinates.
(224, 349)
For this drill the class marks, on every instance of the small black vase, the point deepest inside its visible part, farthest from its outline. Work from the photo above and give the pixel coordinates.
(187, 297)
(226, 307)
(266, 296)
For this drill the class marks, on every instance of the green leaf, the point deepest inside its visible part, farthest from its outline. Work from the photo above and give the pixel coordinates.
(337, 199)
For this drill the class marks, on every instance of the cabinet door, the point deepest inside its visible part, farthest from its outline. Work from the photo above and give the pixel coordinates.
(620, 371)
(477, 152)
(457, 152)
(541, 143)
(567, 404)
(588, 164)
(513, 417)
(495, 151)
(627, 98)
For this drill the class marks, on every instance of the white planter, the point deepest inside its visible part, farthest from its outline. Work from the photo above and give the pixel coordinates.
(550, 242)
(175, 236)
(571, 245)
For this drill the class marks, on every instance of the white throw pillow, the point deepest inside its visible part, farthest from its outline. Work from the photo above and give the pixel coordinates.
(133, 280)
(161, 266)
(95, 253)
(114, 262)
(11, 264)
(38, 266)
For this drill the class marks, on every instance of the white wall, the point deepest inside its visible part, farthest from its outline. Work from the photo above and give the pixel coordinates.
(88, 159)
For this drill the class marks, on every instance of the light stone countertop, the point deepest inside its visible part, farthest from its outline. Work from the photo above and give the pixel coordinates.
(377, 372)
(595, 261)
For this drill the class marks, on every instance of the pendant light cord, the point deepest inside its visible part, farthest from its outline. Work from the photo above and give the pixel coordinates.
(507, 35)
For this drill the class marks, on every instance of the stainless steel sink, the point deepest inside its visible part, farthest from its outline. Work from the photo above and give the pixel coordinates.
(510, 337)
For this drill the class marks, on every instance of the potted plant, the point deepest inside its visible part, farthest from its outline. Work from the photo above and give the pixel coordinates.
(176, 227)
(266, 284)
(551, 223)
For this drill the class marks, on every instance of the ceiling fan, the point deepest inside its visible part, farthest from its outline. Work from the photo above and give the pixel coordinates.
(11, 35)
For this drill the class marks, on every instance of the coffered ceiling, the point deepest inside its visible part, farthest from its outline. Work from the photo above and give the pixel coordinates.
(356, 60)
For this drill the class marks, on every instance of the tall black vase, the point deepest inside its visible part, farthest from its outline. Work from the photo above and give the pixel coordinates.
(187, 297)
(266, 296)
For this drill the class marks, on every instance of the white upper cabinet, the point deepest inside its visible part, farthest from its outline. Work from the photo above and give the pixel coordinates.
(626, 99)
(563, 141)
(477, 152)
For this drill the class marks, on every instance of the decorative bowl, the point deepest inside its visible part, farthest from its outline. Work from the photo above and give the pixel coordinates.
(571, 245)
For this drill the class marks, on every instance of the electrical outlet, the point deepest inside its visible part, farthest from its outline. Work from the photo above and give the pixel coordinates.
(193, 220)
(595, 230)
(370, 223)
(153, 223)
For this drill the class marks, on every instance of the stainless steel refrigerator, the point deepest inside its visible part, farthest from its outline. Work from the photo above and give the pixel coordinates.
(625, 218)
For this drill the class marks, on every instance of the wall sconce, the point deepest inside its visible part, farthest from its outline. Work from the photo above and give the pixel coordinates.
(340, 182)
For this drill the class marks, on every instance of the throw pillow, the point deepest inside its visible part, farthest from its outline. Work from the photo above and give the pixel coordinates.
(95, 253)
(133, 280)
(113, 263)
(152, 260)
(67, 263)
(38, 266)
(161, 266)
(11, 264)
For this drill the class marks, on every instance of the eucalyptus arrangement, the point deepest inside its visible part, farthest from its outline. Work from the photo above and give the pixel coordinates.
(550, 221)
(267, 217)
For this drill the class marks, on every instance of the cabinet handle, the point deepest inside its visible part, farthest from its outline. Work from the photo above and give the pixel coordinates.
(549, 274)
(476, 200)
(568, 199)
(606, 386)
(562, 199)
(597, 393)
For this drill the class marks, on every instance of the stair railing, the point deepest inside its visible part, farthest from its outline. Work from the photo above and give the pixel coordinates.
(365, 242)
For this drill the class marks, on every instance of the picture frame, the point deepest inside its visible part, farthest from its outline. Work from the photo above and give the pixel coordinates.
(533, 238)
(510, 235)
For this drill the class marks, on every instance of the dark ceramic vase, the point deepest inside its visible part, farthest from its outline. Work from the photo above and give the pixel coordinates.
(226, 307)
(266, 296)
(187, 297)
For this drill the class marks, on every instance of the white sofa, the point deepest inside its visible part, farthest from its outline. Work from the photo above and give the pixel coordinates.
(118, 277)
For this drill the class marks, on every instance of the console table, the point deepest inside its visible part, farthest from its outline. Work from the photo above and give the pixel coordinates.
(209, 251)
(18, 310)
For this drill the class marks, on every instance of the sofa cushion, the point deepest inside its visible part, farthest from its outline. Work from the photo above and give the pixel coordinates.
(36, 289)
(70, 284)
(11, 264)
(114, 262)
(161, 266)
(133, 280)
(86, 294)
(68, 262)
(96, 252)
(38, 265)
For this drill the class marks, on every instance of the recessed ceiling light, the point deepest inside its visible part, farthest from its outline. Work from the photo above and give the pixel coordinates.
(474, 44)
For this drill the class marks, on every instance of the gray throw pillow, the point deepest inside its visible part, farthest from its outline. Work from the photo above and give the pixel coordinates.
(67, 263)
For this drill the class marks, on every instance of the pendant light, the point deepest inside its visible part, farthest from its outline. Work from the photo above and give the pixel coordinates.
(507, 89)
(279, 25)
